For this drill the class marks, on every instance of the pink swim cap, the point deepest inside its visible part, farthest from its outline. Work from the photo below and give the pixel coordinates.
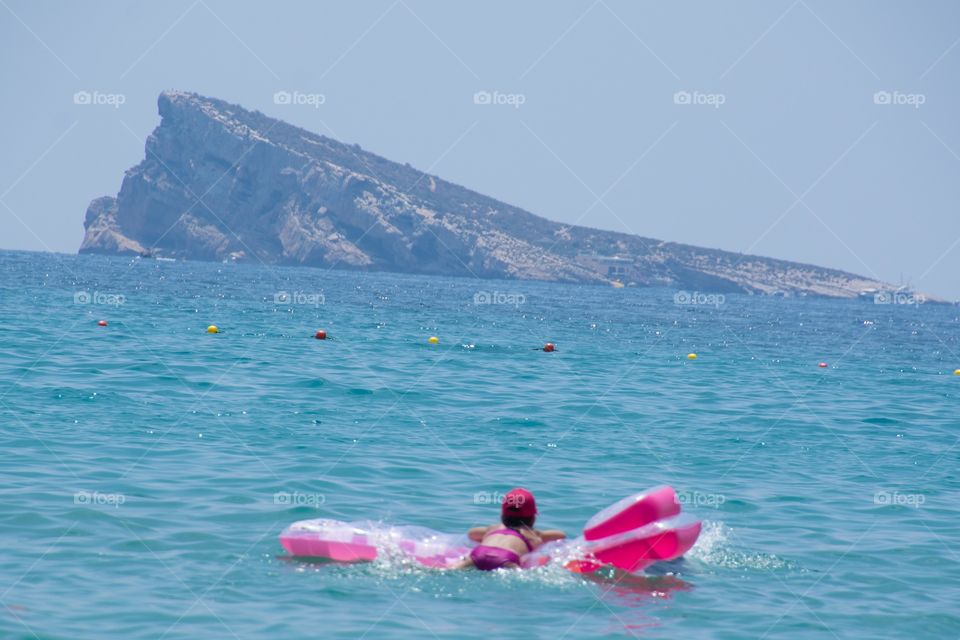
(519, 503)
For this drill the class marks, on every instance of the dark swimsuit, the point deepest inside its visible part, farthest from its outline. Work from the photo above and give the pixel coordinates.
(489, 558)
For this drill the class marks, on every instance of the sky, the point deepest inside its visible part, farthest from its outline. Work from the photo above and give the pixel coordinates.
(807, 130)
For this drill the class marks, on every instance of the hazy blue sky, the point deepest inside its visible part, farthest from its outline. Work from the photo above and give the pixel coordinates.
(799, 161)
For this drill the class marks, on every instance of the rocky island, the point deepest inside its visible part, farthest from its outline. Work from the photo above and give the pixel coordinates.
(219, 182)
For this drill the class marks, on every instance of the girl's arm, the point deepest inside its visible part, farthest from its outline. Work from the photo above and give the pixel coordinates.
(477, 533)
(552, 534)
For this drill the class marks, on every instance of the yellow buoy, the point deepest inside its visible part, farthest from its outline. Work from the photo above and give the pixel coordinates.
(433, 339)
(213, 329)
(957, 372)
(691, 356)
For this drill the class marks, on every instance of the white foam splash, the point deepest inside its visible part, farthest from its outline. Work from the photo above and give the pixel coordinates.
(715, 548)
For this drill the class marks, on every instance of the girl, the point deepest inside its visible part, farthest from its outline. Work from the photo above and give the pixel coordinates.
(501, 545)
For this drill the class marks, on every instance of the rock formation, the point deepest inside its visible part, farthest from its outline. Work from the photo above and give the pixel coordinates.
(222, 183)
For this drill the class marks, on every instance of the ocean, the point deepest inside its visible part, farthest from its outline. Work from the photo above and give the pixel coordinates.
(148, 466)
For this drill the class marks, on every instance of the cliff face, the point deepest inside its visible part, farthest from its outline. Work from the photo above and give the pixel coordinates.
(219, 182)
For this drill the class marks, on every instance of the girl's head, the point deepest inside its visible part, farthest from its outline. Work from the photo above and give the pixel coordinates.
(519, 509)
(517, 522)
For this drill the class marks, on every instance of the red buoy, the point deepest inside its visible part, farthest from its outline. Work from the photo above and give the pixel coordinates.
(102, 323)
(822, 365)
(320, 335)
(549, 347)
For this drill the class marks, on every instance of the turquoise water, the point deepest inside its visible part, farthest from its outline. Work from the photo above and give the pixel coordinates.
(148, 467)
